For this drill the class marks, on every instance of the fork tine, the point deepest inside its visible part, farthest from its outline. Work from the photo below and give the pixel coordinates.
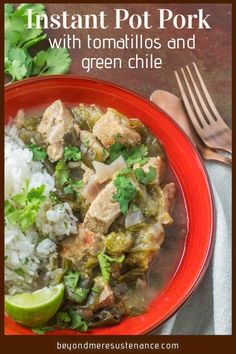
(196, 99)
(206, 92)
(194, 102)
(186, 101)
(208, 115)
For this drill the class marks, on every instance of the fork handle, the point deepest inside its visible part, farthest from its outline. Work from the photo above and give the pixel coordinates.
(223, 141)
(209, 154)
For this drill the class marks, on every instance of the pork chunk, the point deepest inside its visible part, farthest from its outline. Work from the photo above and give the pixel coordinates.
(56, 123)
(167, 199)
(92, 189)
(158, 164)
(88, 173)
(112, 127)
(103, 210)
(93, 148)
(170, 194)
(78, 248)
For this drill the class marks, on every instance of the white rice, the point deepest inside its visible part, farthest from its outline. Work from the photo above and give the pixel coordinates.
(31, 253)
(56, 221)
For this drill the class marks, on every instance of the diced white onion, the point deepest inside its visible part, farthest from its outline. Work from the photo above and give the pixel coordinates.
(92, 188)
(155, 228)
(83, 149)
(104, 172)
(133, 218)
(118, 164)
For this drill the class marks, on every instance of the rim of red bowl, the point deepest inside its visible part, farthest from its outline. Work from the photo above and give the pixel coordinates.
(12, 328)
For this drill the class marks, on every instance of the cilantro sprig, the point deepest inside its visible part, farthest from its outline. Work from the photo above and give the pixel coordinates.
(63, 319)
(73, 187)
(125, 191)
(145, 177)
(72, 153)
(42, 329)
(61, 173)
(131, 155)
(51, 61)
(105, 262)
(63, 180)
(77, 322)
(39, 154)
(18, 62)
(70, 319)
(20, 272)
(73, 290)
(22, 208)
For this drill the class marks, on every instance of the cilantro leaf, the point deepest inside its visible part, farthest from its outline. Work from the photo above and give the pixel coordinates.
(125, 192)
(54, 198)
(114, 260)
(25, 218)
(21, 198)
(62, 319)
(18, 39)
(14, 217)
(8, 208)
(39, 61)
(16, 69)
(115, 150)
(20, 272)
(61, 173)
(74, 292)
(18, 62)
(8, 9)
(95, 290)
(68, 189)
(145, 177)
(77, 322)
(16, 25)
(137, 154)
(42, 329)
(39, 154)
(32, 38)
(35, 195)
(105, 264)
(22, 208)
(58, 61)
(73, 187)
(21, 56)
(131, 155)
(37, 9)
(13, 29)
(72, 153)
(53, 61)
(71, 279)
(79, 295)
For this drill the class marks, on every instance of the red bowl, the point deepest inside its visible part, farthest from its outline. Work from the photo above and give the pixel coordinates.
(183, 159)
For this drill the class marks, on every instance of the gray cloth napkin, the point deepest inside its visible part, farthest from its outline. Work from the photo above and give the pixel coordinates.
(208, 311)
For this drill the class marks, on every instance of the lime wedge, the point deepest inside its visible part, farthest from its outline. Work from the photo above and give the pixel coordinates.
(34, 309)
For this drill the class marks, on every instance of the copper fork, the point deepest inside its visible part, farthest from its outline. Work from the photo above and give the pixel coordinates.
(205, 118)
